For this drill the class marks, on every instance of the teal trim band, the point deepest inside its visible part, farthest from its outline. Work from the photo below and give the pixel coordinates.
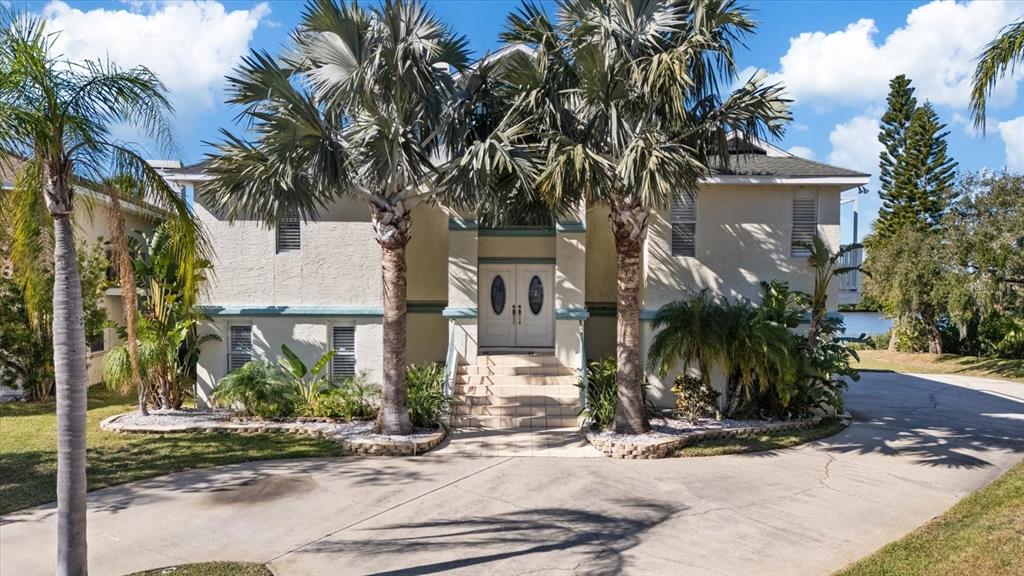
(459, 224)
(426, 307)
(372, 311)
(459, 312)
(518, 232)
(602, 309)
(571, 314)
(489, 260)
(647, 315)
(571, 226)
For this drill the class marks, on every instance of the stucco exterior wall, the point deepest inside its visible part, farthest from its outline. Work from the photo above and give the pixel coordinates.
(743, 238)
(308, 337)
(600, 256)
(516, 246)
(426, 256)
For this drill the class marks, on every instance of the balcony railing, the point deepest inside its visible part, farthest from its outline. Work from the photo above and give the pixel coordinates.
(851, 282)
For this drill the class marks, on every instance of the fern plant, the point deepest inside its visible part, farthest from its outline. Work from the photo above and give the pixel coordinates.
(258, 388)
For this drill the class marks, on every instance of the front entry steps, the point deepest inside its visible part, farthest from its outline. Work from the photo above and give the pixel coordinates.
(516, 391)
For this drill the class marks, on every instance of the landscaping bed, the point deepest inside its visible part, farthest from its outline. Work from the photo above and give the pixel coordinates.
(355, 437)
(669, 435)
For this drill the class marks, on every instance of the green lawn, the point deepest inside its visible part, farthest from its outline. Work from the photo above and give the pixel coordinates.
(941, 364)
(761, 442)
(28, 453)
(983, 535)
(210, 569)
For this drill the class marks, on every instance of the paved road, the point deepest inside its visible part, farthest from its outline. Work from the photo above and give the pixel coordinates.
(917, 445)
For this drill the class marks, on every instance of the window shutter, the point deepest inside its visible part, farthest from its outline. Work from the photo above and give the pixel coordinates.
(343, 340)
(684, 225)
(240, 350)
(805, 222)
(289, 234)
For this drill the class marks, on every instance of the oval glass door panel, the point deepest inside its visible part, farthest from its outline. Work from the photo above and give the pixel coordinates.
(498, 295)
(535, 295)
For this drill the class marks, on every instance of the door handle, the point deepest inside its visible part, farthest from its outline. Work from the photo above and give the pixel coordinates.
(520, 308)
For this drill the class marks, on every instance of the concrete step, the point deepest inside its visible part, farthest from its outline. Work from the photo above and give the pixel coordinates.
(538, 400)
(544, 391)
(546, 370)
(518, 411)
(516, 422)
(517, 360)
(518, 380)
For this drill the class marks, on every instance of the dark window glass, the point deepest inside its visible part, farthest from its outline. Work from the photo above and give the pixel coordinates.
(498, 295)
(536, 295)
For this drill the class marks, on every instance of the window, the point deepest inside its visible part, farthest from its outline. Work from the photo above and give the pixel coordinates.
(239, 346)
(289, 234)
(805, 222)
(684, 224)
(343, 339)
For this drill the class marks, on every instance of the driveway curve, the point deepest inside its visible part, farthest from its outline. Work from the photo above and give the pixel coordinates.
(917, 445)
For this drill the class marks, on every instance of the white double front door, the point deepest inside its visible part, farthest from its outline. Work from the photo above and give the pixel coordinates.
(516, 305)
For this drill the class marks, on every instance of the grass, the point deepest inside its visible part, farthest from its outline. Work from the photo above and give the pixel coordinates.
(982, 535)
(941, 364)
(761, 442)
(28, 450)
(210, 569)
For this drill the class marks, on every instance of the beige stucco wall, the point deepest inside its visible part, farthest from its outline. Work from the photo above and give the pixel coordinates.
(427, 255)
(516, 246)
(306, 336)
(743, 238)
(600, 256)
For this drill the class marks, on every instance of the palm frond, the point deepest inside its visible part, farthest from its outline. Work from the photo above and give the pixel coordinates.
(1000, 57)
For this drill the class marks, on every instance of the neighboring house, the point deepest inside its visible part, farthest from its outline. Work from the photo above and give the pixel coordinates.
(484, 293)
(92, 225)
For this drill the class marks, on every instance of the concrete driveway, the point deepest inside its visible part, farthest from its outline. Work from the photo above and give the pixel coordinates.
(917, 445)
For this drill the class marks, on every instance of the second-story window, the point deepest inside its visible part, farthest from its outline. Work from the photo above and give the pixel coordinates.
(289, 234)
(684, 224)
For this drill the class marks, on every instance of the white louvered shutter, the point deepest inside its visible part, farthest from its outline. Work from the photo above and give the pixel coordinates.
(805, 222)
(240, 349)
(289, 234)
(684, 225)
(343, 340)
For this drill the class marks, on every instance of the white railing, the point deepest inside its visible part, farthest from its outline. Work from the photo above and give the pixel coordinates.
(583, 370)
(851, 282)
(449, 363)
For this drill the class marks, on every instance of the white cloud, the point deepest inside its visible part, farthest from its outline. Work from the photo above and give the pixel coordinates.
(935, 48)
(189, 45)
(1012, 132)
(855, 145)
(802, 152)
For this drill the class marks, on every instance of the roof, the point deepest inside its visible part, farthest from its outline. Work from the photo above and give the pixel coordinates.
(781, 167)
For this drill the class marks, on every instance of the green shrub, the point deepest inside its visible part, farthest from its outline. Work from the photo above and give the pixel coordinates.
(911, 335)
(603, 392)
(353, 398)
(309, 385)
(694, 398)
(425, 396)
(259, 388)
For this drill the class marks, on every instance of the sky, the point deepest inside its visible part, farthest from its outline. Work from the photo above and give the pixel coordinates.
(834, 57)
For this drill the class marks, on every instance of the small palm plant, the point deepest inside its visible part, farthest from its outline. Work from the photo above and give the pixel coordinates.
(258, 389)
(691, 332)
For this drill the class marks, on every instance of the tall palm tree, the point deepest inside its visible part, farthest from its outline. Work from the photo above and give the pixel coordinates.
(1001, 56)
(58, 116)
(364, 107)
(627, 97)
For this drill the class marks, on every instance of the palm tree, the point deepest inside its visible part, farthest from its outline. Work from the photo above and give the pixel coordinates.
(364, 107)
(690, 330)
(1001, 56)
(58, 117)
(626, 97)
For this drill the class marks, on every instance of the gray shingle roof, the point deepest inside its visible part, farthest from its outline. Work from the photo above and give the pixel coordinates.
(781, 166)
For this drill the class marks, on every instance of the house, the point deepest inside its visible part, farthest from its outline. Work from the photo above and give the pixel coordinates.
(516, 309)
(91, 226)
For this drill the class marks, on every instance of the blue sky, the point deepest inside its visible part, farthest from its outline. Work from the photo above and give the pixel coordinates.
(835, 57)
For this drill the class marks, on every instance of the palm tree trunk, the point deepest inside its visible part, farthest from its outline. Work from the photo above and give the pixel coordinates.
(629, 226)
(393, 228)
(70, 374)
(126, 277)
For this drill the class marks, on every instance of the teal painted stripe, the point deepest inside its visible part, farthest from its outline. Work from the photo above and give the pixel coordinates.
(372, 311)
(489, 260)
(571, 314)
(518, 232)
(459, 313)
(459, 224)
(647, 315)
(571, 226)
(426, 307)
